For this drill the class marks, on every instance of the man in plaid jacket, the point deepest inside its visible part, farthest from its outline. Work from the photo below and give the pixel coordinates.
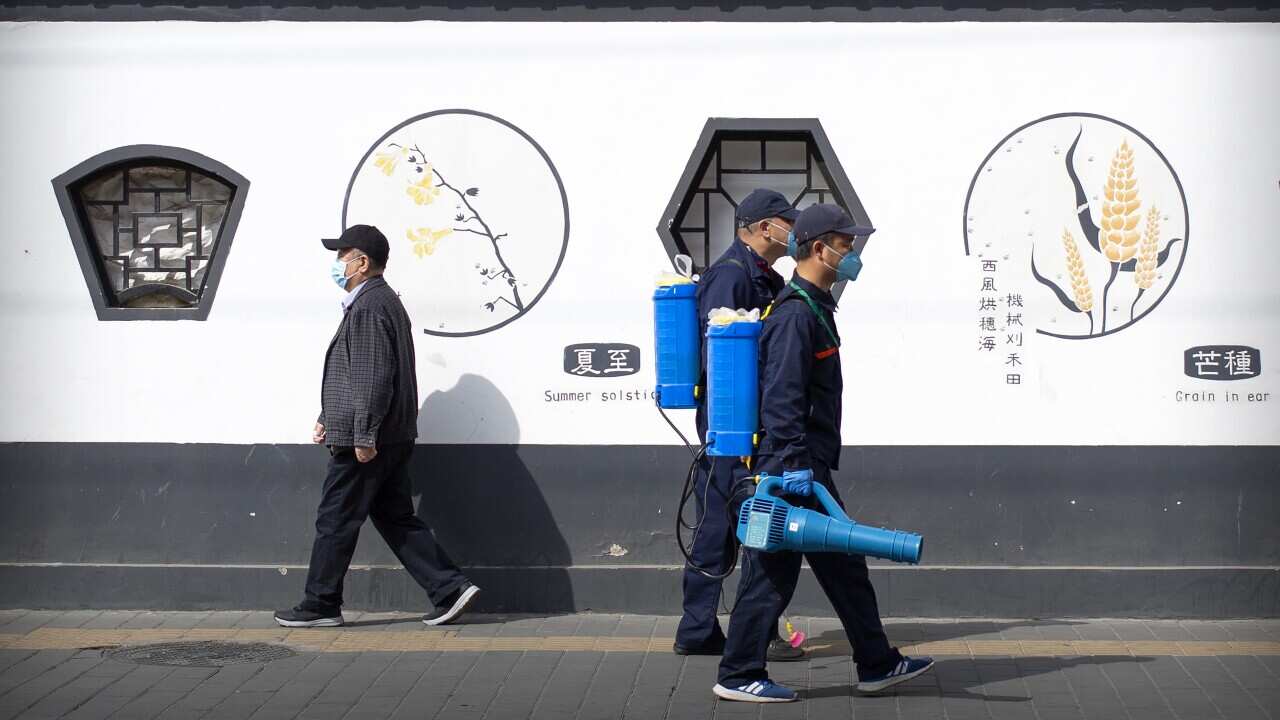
(368, 420)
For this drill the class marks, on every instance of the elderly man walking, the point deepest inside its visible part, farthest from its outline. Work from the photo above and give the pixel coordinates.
(368, 420)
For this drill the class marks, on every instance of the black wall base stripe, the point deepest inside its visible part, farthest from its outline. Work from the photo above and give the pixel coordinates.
(1125, 531)
(982, 592)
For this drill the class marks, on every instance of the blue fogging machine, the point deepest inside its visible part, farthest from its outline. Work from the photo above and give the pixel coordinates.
(770, 524)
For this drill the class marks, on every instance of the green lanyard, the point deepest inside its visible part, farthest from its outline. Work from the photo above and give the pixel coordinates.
(817, 312)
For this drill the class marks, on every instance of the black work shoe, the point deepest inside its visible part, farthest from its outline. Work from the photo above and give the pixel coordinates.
(714, 648)
(299, 617)
(781, 651)
(453, 606)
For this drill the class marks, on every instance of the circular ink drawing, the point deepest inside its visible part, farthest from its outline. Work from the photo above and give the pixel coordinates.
(1084, 217)
(476, 215)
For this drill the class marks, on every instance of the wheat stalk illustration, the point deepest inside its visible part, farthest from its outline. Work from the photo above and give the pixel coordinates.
(1145, 270)
(1079, 280)
(1118, 236)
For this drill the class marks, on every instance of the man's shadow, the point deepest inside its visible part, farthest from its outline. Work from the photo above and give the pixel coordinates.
(965, 678)
(484, 505)
(954, 677)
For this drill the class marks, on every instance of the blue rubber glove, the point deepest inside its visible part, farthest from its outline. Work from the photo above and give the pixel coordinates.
(798, 482)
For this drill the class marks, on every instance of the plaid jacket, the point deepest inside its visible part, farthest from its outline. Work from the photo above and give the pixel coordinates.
(369, 395)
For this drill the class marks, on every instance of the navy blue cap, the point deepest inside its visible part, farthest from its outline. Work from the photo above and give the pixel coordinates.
(762, 204)
(817, 220)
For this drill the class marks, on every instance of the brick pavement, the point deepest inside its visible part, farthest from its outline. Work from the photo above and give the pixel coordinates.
(588, 666)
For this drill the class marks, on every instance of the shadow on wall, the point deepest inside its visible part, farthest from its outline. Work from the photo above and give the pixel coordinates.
(484, 504)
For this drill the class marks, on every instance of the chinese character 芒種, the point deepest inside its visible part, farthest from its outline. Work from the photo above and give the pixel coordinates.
(986, 303)
(1206, 360)
(1013, 300)
(619, 361)
(1239, 362)
(585, 361)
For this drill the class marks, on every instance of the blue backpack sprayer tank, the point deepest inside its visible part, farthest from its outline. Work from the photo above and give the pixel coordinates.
(733, 353)
(675, 333)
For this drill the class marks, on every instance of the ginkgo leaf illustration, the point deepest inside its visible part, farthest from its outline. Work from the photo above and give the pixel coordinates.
(424, 192)
(425, 239)
(386, 160)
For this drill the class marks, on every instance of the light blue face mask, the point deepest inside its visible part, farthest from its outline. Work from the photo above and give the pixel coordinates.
(848, 267)
(338, 271)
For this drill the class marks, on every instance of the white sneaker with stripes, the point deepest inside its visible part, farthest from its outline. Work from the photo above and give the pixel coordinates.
(759, 691)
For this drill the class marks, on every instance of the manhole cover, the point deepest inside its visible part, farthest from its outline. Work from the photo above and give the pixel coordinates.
(201, 653)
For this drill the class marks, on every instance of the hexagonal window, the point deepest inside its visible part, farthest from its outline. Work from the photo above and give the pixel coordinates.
(737, 155)
(152, 227)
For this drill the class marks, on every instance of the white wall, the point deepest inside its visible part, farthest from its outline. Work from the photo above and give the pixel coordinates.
(911, 110)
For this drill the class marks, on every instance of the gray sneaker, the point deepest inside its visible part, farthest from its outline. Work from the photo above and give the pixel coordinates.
(781, 651)
(299, 617)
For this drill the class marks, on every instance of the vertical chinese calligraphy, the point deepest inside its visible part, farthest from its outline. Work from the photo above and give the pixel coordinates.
(1000, 321)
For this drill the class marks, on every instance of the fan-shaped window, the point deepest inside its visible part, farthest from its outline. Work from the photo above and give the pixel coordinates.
(152, 227)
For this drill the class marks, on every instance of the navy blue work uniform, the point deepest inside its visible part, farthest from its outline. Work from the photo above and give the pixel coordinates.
(739, 279)
(800, 398)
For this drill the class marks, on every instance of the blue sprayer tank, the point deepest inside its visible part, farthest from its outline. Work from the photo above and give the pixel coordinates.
(675, 333)
(732, 388)
(770, 524)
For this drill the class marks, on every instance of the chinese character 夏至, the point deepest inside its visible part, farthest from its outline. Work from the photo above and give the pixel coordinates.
(1206, 362)
(619, 361)
(586, 358)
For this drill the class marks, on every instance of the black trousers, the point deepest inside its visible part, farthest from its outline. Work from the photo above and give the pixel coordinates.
(767, 584)
(379, 489)
(712, 550)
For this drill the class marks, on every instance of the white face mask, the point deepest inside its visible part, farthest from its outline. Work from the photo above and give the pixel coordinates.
(771, 238)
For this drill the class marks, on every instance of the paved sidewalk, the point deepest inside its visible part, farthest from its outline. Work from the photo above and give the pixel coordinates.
(59, 664)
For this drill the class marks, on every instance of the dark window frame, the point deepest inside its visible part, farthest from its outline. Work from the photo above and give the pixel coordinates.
(66, 187)
(718, 130)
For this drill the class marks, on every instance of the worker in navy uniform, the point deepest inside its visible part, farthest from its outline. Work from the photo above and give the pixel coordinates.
(741, 278)
(800, 403)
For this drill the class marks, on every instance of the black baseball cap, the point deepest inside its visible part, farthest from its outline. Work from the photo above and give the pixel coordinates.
(365, 238)
(762, 204)
(817, 220)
